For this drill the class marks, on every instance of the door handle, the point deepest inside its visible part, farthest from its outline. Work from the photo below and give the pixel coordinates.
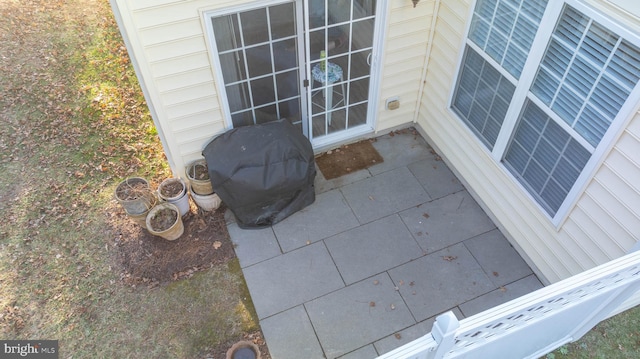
(369, 59)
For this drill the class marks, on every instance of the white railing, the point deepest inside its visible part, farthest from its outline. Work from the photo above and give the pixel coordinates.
(534, 324)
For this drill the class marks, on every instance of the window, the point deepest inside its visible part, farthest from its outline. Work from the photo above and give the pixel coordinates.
(544, 119)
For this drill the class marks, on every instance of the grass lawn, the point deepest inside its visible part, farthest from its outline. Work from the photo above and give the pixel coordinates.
(616, 337)
(73, 125)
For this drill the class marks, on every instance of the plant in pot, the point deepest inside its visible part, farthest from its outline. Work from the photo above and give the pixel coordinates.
(201, 187)
(164, 221)
(174, 190)
(198, 175)
(136, 198)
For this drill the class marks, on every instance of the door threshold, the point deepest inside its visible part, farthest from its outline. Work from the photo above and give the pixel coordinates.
(338, 139)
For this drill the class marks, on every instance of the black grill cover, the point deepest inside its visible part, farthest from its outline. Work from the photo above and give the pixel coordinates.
(263, 173)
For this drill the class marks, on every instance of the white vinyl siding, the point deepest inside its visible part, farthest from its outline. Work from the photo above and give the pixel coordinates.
(405, 48)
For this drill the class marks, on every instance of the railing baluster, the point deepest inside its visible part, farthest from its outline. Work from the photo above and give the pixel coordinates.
(444, 332)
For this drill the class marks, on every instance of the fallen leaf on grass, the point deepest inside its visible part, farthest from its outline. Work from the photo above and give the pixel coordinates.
(217, 244)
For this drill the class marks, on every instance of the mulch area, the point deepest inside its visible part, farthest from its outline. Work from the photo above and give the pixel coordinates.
(148, 260)
(348, 159)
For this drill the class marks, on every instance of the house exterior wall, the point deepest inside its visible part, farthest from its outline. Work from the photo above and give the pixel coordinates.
(603, 224)
(405, 49)
(168, 40)
(421, 53)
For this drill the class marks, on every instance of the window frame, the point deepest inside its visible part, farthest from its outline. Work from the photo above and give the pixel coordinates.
(522, 92)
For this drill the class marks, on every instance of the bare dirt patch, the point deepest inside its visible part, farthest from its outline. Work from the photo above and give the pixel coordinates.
(150, 260)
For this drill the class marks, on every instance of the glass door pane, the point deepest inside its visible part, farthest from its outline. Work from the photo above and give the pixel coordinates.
(340, 50)
(258, 52)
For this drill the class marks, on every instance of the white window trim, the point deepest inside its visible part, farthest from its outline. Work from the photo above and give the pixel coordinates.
(620, 122)
(212, 48)
(375, 77)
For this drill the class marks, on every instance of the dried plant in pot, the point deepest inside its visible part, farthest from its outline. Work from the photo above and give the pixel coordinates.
(198, 174)
(141, 218)
(174, 190)
(164, 221)
(135, 195)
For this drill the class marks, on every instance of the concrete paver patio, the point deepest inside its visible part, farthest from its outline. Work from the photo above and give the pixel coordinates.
(381, 252)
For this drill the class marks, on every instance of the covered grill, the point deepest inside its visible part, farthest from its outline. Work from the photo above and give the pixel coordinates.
(263, 173)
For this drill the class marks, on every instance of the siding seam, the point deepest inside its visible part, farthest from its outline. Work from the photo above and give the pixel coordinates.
(621, 177)
(156, 7)
(620, 203)
(570, 232)
(158, 62)
(179, 89)
(169, 23)
(164, 77)
(164, 43)
(597, 223)
(199, 99)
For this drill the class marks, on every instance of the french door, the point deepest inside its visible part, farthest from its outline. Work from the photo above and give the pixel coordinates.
(308, 61)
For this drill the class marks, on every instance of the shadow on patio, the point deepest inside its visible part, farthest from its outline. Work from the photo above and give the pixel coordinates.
(381, 252)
